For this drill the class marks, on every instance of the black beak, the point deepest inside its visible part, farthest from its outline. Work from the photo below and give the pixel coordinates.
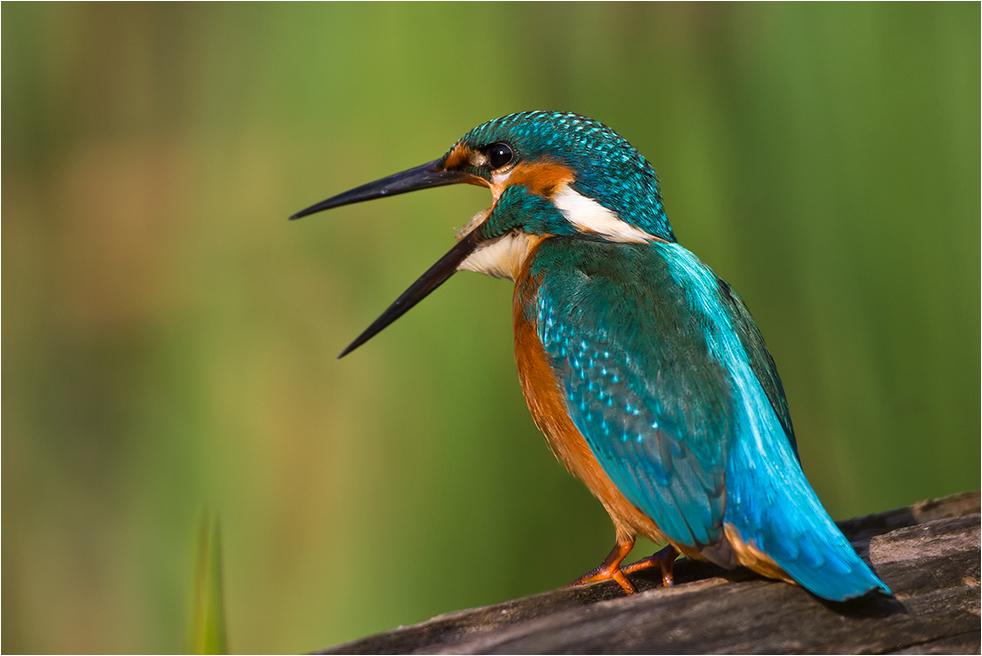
(421, 177)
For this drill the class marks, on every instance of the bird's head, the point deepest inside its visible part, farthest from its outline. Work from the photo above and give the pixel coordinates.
(550, 174)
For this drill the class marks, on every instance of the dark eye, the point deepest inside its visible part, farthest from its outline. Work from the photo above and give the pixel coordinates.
(499, 154)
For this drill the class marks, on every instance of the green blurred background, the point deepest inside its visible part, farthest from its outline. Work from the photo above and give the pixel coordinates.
(169, 339)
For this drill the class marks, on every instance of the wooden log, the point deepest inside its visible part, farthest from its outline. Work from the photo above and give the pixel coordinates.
(927, 553)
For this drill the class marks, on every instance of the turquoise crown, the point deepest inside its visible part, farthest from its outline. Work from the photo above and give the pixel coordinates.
(608, 169)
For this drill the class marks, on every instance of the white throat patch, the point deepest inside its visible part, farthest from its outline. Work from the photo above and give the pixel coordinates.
(498, 258)
(502, 257)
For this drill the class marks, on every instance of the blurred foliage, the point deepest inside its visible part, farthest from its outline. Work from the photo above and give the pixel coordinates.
(169, 340)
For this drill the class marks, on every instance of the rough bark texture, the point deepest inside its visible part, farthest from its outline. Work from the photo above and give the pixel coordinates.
(927, 553)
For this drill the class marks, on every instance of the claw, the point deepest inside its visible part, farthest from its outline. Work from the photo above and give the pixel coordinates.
(663, 559)
(610, 569)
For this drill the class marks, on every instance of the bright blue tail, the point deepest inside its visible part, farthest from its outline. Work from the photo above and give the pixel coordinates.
(771, 504)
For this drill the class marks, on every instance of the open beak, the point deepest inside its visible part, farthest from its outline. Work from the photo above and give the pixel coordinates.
(424, 176)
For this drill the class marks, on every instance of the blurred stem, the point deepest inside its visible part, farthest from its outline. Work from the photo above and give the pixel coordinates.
(207, 634)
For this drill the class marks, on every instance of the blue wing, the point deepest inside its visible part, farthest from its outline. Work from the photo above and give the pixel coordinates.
(760, 358)
(667, 378)
(640, 382)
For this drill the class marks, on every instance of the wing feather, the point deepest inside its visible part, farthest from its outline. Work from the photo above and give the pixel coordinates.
(667, 378)
(640, 383)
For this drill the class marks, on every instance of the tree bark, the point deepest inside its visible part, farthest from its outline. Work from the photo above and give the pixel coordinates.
(927, 553)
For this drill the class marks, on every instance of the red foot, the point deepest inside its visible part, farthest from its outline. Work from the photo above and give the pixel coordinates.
(663, 559)
(610, 569)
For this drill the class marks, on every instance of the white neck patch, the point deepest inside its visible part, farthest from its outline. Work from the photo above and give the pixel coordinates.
(504, 256)
(590, 216)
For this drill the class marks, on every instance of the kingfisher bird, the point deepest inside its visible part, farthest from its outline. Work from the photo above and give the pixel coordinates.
(642, 367)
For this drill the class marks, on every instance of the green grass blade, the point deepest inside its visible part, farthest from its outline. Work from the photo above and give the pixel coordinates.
(207, 635)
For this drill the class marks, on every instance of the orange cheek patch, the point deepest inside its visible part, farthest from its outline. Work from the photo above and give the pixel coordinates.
(542, 177)
(459, 155)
